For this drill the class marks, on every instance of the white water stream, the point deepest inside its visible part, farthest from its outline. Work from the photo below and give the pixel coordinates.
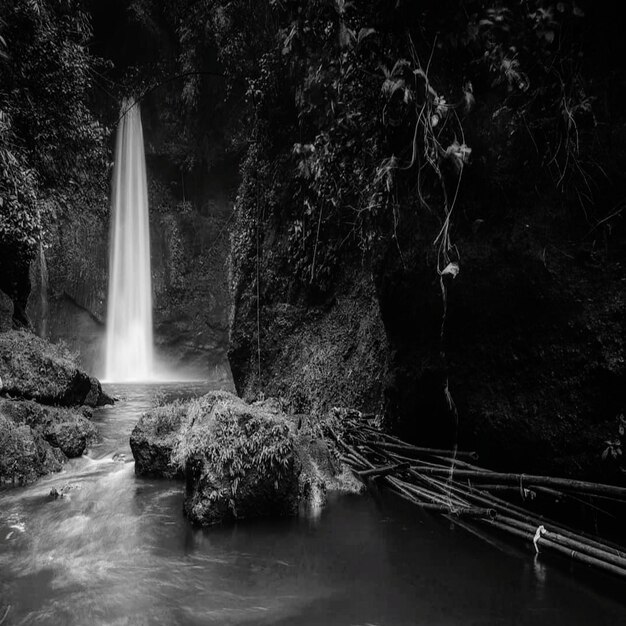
(129, 342)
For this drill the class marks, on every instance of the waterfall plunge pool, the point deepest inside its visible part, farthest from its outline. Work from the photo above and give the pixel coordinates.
(119, 551)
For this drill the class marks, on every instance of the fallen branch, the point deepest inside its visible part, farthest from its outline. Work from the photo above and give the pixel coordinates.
(577, 556)
(405, 447)
(531, 480)
(379, 472)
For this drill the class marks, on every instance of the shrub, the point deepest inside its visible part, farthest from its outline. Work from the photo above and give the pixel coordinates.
(234, 439)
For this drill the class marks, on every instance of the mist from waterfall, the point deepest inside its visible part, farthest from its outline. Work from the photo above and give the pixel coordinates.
(129, 341)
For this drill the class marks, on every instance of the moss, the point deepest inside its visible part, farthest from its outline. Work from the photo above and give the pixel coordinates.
(36, 440)
(152, 440)
(18, 452)
(33, 368)
(234, 437)
(239, 461)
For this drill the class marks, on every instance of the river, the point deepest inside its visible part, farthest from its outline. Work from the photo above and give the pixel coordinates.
(117, 550)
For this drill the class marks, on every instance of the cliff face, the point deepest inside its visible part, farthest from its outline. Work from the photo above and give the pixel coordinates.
(530, 367)
(189, 241)
(366, 177)
(314, 356)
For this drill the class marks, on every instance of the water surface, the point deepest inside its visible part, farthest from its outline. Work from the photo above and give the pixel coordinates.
(119, 551)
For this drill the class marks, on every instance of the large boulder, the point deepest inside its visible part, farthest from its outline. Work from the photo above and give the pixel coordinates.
(239, 460)
(153, 438)
(36, 439)
(34, 369)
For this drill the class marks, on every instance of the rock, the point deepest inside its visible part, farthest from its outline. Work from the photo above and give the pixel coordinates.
(71, 436)
(152, 441)
(34, 369)
(240, 461)
(64, 491)
(36, 439)
(96, 397)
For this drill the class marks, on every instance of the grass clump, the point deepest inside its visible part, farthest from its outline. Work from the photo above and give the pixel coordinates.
(167, 418)
(235, 441)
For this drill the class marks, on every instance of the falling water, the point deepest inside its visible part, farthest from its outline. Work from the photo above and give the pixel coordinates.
(129, 317)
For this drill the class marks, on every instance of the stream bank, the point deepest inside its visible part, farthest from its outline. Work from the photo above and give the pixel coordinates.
(46, 406)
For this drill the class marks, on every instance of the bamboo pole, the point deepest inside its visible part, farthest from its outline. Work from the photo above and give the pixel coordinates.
(506, 508)
(379, 472)
(531, 480)
(442, 491)
(405, 447)
(577, 556)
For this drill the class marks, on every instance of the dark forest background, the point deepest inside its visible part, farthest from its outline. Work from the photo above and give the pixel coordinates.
(419, 206)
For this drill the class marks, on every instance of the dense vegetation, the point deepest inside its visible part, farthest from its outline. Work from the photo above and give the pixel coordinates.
(384, 149)
(345, 114)
(357, 113)
(51, 145)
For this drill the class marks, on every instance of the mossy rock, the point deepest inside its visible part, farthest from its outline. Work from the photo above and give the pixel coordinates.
(34, 369)
(153, 438)
(36, 440)
(240, 461)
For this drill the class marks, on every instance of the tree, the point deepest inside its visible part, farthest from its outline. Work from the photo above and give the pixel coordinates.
(50, 142)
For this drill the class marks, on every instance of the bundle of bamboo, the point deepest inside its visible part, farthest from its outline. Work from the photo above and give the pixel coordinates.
(444, 481)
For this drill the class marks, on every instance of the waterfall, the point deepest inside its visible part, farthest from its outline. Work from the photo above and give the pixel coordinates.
(129, 344)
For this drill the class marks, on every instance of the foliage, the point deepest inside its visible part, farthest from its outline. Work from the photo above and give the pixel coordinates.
(352, 114)
(50, 143)
(614, 446)
(17, 452)
(235, 441)
(364, 111)
(31, 367)
(166, 418)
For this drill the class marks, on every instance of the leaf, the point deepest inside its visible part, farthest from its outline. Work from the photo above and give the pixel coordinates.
(346, 36)
(452, 269)
(364, 33)
(605, 454)
(468, 96)
(391, 85)
(460, 153)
